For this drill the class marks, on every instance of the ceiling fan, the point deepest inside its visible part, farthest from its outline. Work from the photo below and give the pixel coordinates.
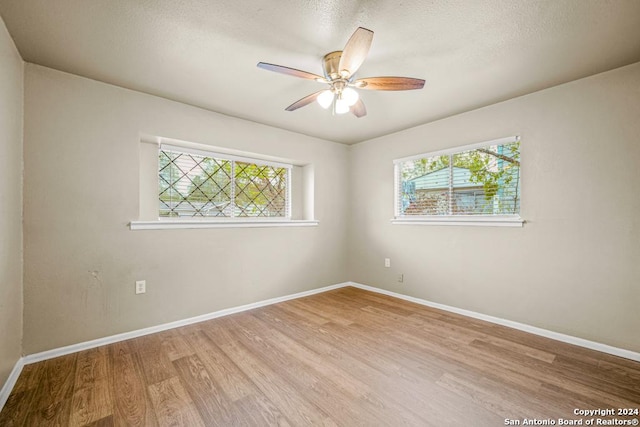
(340, 68)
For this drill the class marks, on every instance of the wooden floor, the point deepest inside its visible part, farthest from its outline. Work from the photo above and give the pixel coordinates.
(346, 357)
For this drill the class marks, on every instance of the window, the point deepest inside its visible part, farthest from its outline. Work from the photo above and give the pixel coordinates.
(200, 184)
(472, 182)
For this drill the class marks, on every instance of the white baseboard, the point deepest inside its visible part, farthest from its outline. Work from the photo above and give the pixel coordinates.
(56, 352)
(604, 348)
(11, 382)
(49, 354)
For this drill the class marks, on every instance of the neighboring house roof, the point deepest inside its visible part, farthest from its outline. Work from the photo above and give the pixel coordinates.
(440, 179)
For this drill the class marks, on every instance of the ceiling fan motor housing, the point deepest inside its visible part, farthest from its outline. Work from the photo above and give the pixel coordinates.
(330, 65)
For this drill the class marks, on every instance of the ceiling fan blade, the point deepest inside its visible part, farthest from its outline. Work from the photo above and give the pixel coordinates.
(355, 52)
(304, 101)
(358, 109)
(389, 83)
(290, 71)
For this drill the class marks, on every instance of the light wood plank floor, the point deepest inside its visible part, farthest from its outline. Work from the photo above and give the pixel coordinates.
(346, 357)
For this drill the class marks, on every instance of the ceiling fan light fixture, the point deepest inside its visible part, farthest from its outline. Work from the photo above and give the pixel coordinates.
(341, 106)
(350, 96)
(325, 99)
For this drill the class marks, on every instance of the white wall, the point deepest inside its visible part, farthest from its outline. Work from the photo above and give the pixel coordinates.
(11, 91)
(575, 266)
(81, 190)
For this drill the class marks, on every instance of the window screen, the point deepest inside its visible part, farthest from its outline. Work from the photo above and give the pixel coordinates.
(482, 180)
(193, 183)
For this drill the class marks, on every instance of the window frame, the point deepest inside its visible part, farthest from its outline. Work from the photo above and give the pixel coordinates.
(508, 220)
(233, 159)
(220, 153)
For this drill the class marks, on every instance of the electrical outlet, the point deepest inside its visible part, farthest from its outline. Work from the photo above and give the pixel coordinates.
(387, 262)
(141, 286)
(400, 278)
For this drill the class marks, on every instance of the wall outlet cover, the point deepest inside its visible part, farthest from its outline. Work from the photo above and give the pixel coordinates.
(141, 286)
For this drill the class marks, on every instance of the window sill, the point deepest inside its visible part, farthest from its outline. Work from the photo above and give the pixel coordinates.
(479, 221)
(182, 224)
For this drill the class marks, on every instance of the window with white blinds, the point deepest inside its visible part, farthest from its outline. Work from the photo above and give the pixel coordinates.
(200, 184)
(477, 180)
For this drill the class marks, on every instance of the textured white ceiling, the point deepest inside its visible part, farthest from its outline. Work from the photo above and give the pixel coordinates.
(471, 53)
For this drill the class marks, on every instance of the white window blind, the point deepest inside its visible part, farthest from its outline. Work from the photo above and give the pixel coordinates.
(482, 179)
(195, 183)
